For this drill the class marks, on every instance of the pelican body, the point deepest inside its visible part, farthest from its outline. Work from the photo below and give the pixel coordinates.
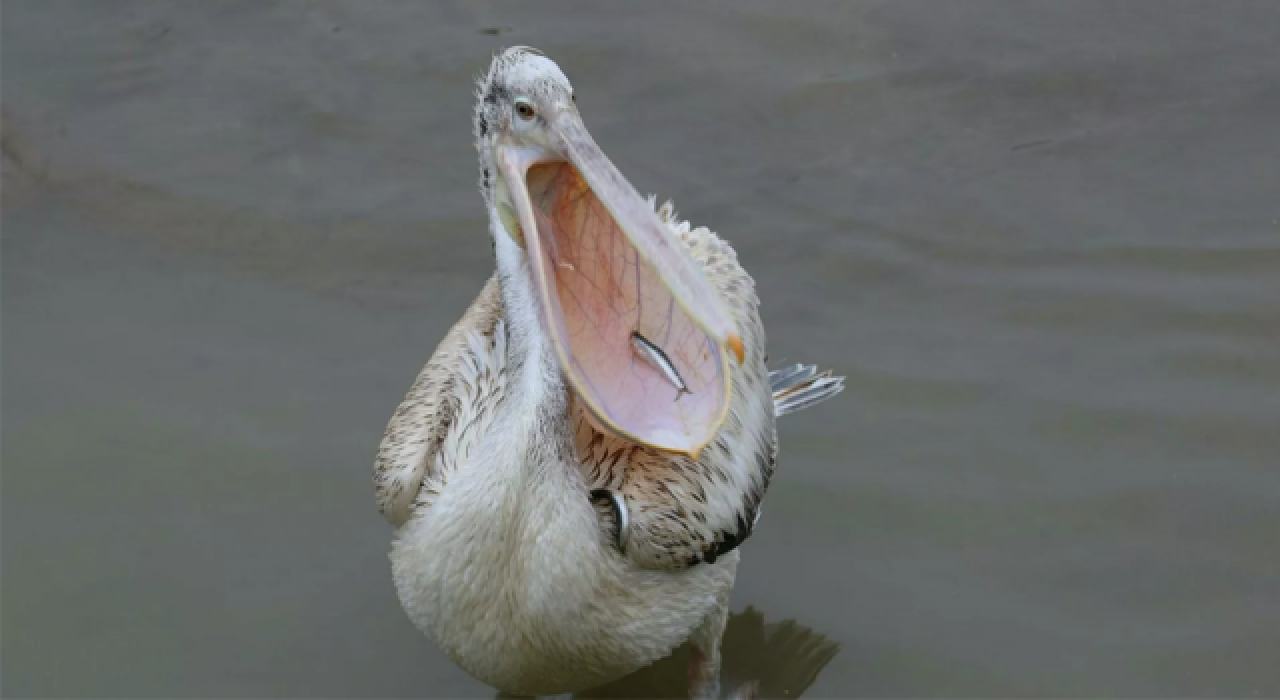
(566, 512)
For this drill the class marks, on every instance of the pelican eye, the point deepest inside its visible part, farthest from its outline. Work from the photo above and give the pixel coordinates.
(524, 109)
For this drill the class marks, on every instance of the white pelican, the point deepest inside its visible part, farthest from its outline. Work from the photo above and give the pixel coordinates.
(572, 471)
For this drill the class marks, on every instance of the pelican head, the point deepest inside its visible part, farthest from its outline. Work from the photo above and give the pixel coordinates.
(606, 274)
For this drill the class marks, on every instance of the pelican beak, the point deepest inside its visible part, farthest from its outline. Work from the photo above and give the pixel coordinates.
(606, 267)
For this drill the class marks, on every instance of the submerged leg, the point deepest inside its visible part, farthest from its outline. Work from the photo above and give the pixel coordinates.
(704, 678)
(704, 656)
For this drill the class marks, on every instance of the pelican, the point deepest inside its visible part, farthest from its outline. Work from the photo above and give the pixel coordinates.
(572, 472)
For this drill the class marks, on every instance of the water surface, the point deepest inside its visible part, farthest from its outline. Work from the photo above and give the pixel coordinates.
(1042, 239)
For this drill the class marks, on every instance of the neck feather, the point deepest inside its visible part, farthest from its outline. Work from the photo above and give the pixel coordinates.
(534, 372)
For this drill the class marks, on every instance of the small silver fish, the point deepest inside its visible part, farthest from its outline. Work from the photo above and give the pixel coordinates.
(658, 359)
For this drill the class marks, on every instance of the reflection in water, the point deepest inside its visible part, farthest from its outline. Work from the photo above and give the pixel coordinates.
(784, 658)
(232, 231)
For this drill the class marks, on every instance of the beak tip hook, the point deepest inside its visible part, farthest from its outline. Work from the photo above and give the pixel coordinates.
(734, 341)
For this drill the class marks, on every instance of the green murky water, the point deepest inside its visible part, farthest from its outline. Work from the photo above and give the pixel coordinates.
(1041, 239)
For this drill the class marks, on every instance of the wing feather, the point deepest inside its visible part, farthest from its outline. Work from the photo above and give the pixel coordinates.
(408, 454)
(802, 386)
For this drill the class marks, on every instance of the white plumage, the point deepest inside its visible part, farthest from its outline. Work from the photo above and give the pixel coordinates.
(487, 468)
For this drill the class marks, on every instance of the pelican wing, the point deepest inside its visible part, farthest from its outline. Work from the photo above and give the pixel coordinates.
(801, 386)
(411, 450)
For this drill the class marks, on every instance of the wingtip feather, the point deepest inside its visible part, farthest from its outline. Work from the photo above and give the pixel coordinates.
(801, 386)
